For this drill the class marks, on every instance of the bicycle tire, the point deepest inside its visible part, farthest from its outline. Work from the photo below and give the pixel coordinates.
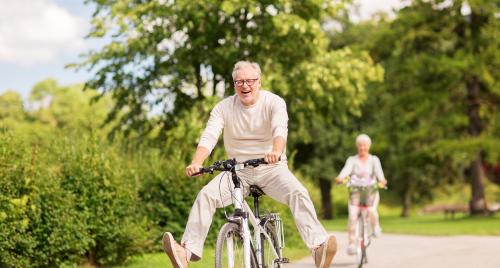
(361, 249)
(266, 250)
(231, 232)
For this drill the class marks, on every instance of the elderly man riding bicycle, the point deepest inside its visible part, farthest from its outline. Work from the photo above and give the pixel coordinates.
(255, 124)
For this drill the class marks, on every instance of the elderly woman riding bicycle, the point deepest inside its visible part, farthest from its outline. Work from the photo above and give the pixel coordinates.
(364, 169)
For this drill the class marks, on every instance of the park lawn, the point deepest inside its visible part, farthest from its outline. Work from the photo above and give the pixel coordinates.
(160, 260)
(431, 225)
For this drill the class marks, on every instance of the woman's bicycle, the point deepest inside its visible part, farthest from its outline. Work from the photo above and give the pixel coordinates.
(364, 229)
(238, 246)
(363, 197)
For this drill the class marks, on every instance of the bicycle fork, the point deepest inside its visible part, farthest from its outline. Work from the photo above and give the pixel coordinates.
(238, 204)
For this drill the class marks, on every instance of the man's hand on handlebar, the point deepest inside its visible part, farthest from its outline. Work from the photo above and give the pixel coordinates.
(193, 168)
(272, 157)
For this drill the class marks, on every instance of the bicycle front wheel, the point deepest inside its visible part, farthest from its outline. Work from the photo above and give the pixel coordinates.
(229, 251)
(362, 241)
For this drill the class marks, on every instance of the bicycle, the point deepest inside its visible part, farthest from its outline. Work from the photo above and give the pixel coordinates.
(235, 246)
(364, 230)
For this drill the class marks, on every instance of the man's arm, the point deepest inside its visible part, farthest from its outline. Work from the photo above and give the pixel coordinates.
(199, 157)
(208, 140)
(279, 144)
(279, 126)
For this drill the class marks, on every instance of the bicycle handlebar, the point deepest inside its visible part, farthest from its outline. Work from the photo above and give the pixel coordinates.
(346, 181)
(228, 165)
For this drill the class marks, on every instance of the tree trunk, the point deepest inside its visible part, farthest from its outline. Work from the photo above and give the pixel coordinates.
(406, 203)
(477, 202)
(326, 198)
(91, 259)
(214, 86)
(199, 81)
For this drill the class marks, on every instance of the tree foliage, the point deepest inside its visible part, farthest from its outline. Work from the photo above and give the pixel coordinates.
(165, 55)
(435, 113)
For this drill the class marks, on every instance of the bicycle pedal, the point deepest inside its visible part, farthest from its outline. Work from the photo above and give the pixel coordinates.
(282, 260)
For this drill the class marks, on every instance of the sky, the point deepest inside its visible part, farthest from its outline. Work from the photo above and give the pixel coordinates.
(39, 37)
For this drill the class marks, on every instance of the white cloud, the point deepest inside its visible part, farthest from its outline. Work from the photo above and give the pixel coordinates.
(38, 31)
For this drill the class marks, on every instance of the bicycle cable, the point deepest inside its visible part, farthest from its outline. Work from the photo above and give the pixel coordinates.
(220, 193)
(230, 191)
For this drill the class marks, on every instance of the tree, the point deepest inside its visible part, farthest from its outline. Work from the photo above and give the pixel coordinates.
(11, 106)
(321, 115)
(166, 56)
(437, 105)
(67, 107)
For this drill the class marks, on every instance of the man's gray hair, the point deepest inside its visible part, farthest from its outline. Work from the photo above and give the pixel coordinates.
(243, 64)
(363, 137)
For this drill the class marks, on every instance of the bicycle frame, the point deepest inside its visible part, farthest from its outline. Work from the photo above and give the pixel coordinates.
(244, 217)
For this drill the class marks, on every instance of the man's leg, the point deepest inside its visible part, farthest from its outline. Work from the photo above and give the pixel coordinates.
(280, 184)
(200, 218)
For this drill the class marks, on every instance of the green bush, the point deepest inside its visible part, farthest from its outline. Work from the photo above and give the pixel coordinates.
(67, 202)
(61, 235)
(167, 194)
(16, 187)
(106, 198)
(38, 225)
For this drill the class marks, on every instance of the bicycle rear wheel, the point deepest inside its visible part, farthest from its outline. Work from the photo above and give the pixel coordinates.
(229, 252)
(268, 256)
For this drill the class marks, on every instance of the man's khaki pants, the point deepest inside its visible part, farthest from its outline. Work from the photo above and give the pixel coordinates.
(276, 181)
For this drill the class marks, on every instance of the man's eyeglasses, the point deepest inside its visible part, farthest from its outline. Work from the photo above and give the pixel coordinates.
(250, 82)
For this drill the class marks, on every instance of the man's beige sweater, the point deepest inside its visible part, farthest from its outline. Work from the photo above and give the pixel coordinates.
(248, 131)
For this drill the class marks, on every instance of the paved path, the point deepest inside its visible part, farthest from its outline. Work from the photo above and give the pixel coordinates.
(410, 251)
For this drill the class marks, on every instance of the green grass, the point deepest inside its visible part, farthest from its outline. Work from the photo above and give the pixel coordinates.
(431, 225)
(160, 260)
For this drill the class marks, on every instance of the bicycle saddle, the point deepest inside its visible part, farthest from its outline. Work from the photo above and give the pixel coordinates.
(255, 191)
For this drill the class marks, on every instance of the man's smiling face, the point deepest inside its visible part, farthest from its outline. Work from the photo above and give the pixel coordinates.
(247, 85)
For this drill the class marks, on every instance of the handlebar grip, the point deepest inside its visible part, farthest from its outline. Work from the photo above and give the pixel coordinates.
(264, 161)
(197, 173)
(257, 162)
(202, 171)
